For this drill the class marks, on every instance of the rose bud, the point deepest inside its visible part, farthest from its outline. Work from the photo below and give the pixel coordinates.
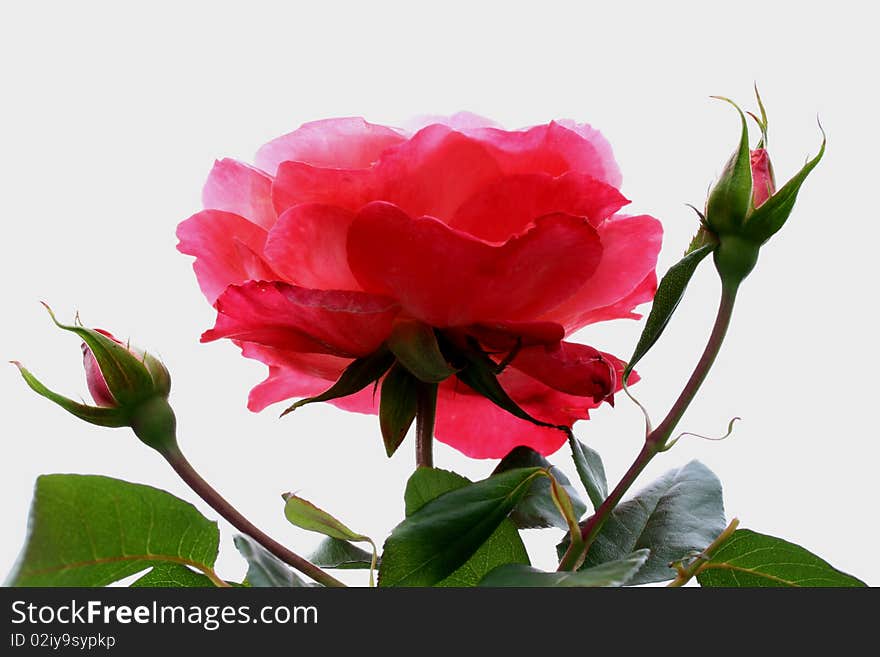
(744, 208)
(130, 388)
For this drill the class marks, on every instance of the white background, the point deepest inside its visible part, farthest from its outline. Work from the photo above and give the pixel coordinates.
(112, 115)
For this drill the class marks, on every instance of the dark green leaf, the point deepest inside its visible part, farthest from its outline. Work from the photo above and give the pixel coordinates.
(172, 575)
(86, 530)
(537, 508)
(265, 570)
(666, 300)
(336, 553)
(416, 348)
(357, 376)
(443, 534)
(397, 406)
(613, 573)
(590, 469)
(772, 215)
(751, 559)
(679, 513)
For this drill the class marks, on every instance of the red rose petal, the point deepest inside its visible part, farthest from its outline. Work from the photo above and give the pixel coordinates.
(298, 183)
(629, 254)
(217, 239)
(308, 247)
(507, 335)
(575, 369)
(291, 318)
(237, 188)
(508, 206)
(448, 278)
(344, 143)
(622, 309)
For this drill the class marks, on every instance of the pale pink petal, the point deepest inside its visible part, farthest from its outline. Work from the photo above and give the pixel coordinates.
(344, 143)
(237, 188)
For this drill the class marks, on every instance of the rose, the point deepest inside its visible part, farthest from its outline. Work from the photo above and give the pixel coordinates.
(503, 240)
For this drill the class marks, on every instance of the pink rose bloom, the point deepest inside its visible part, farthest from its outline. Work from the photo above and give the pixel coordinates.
(502, 238)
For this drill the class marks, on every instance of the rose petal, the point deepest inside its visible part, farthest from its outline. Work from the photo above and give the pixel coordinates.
(575, 369)
(508, 206)
(292, 318)
(344, 143)
(298, 183)
(227, 249)
(629, 254)
(554, 148)
(460, 121)
(308, 247)
(448, 278)
(509, 335)
(237, 188)
(622, 309)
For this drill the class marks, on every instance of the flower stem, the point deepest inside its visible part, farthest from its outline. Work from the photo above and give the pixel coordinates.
(426, 412)
(657, 440)
(204, 490)
(685, 574)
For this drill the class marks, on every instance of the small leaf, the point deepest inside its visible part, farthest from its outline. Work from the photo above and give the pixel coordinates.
(750, 559)
(590, 469)
(336, 553)
(306, 515)
(172, 575)
(669, 295)
(444, 533)
(357, 376)
(87, 530)
(774, 212)
(613, 573)
(265, 570)
(416, 348)
(537, 508)
(397, 406)
(679, 513)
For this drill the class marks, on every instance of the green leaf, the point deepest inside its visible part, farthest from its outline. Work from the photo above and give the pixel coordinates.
(306, 515)
(765, 221)
(669, 294)
(750, 559)
(357, 376)
(87, 530)
(264, 568)
(679, 513)
(537, 508)
(613, 573)
(415, 345)
(590, 469)
(336, 553)
(172, 575)
(731, 197)
(397, 406)
(445, 539)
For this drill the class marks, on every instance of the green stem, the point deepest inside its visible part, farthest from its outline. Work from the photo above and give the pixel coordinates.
(685, 574)
(217, 502)
(657, 440)
(426, 411)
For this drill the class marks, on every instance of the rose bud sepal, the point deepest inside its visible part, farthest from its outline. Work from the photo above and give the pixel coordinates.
(730, 199)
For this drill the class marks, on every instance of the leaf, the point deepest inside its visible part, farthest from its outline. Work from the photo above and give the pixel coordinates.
(336, 553)
(87, 530)
(678, 513)
(613, 573)
(397, 406)
(764, 222)
(449, 521)
(306, 515)
(357, 376)
(669, 294)
(415, 345)
(264, 568)
(590, 469)
(749, 559)
(172, 575)
(537, 508)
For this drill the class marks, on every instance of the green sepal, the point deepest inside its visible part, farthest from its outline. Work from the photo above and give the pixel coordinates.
(765, 221)
(397, 406)
(100, 415)
(357, 376)
(730, 199)
(669, 294)
(415, 346)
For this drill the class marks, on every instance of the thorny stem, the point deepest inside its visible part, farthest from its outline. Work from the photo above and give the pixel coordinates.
(426, 405)
(217, 502)
(656, 441)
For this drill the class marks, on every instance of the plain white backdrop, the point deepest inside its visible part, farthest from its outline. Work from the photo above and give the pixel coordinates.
(113, 114)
